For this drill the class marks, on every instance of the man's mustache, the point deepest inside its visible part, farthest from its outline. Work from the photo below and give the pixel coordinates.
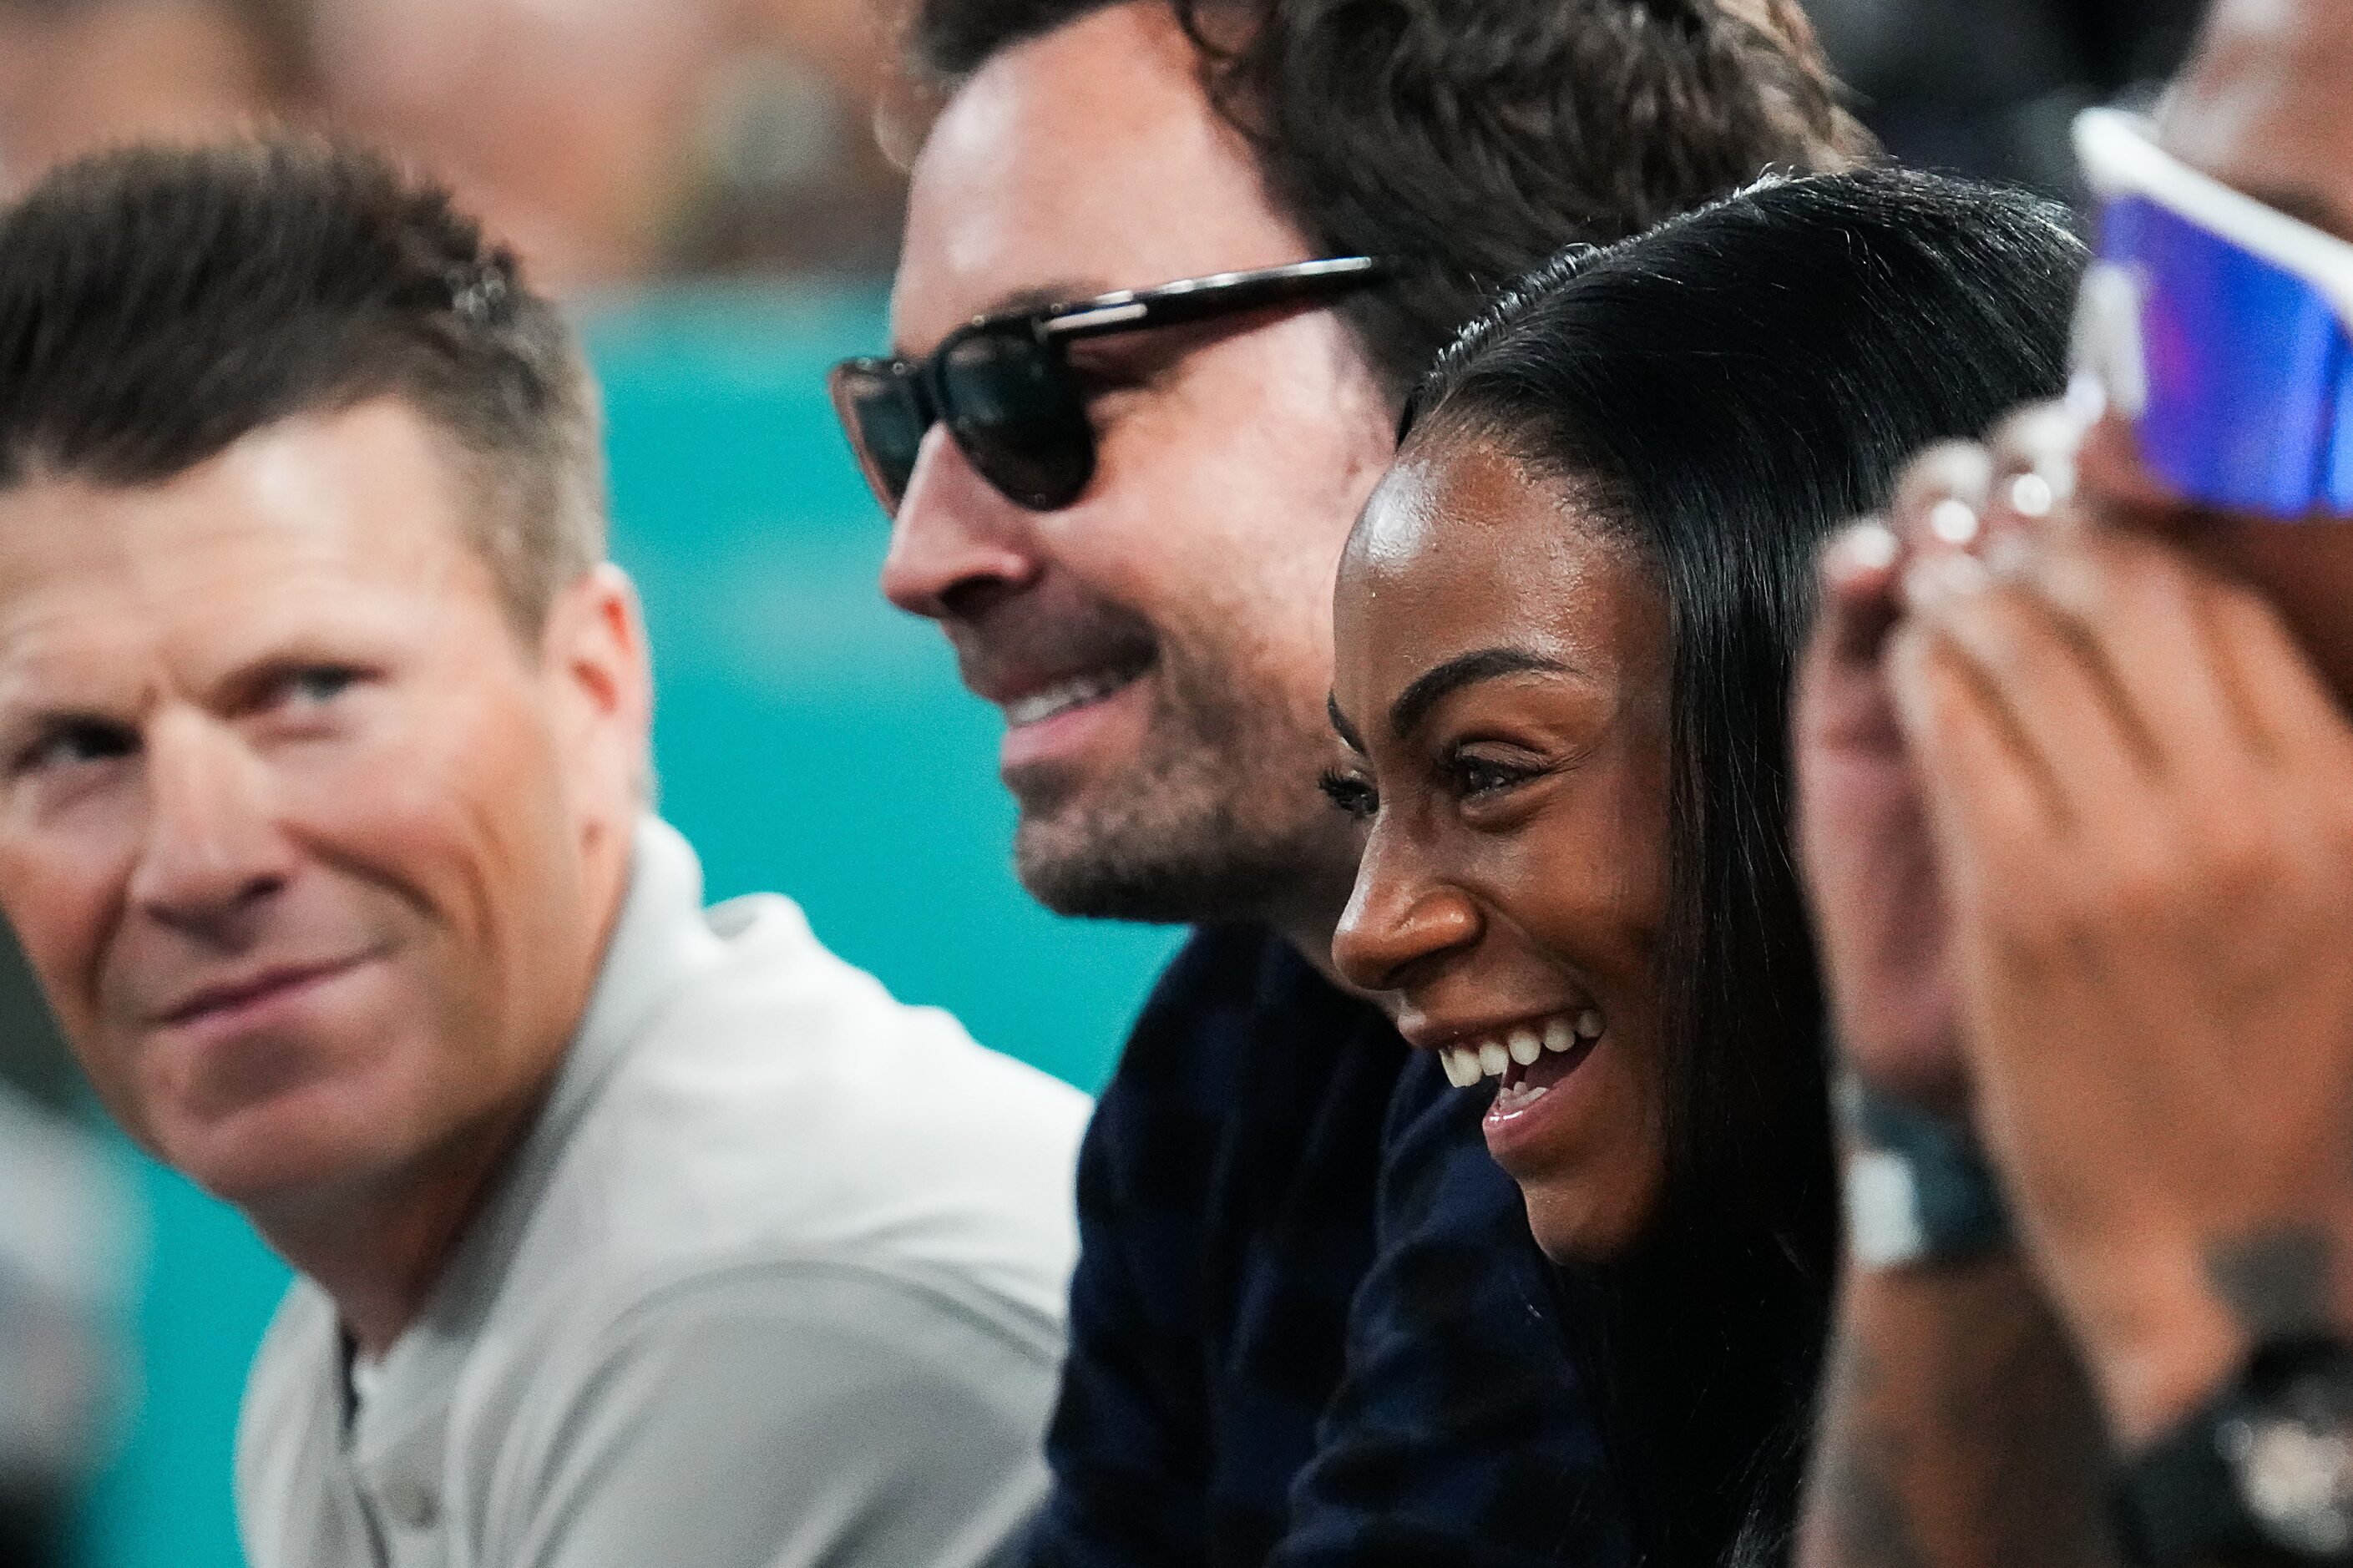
(1019, 645)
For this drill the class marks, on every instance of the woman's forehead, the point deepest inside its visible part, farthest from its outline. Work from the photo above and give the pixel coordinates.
(1464, 545)
(1465, 517)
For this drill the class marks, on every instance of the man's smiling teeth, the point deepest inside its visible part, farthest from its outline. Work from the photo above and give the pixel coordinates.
(1467, 1061)
(1075, 692)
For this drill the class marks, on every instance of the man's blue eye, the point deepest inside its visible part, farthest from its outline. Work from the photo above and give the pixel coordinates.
(324, 684)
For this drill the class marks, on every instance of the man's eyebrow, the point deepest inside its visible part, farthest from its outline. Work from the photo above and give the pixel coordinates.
(1036, 297)
(1434, 686)
(1347, 731)
(20, 720)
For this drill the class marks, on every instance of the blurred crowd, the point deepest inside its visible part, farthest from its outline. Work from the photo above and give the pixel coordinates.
(612, 140)
(615, 141)
(1988, 86)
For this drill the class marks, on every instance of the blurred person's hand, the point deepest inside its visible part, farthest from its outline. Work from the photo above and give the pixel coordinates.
(2141, 795)
(1863, 836)
(66, 1256)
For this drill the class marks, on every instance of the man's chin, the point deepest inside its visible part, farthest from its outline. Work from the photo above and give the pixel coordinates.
(1090, 890)
(1165, 874)
(285, 1153)
(1146, 811)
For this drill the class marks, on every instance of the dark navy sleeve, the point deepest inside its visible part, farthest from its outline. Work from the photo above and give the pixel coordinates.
(1309, 1327)
(1463, 1433)
(1128, 1440)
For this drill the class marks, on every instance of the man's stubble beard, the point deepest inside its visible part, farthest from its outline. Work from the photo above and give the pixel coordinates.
(1218, 818)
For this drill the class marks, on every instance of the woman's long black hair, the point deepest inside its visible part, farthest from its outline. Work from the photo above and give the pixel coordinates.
(1725, 390)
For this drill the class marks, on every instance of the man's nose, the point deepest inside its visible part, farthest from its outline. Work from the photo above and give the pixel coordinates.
(956, 545)
(213, 852)
(1398, 916)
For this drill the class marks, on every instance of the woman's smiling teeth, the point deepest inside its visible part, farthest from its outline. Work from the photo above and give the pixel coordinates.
(1522, 1045)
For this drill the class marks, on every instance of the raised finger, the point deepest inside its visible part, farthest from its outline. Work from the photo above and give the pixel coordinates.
(2042, 681)
(2032, 487)
(2146, 617)
(1988, 796)
(1939, 498)
(2288, 713)
(1859, 602)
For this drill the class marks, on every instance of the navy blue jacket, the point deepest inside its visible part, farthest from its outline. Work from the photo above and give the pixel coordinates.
(1309, 1327)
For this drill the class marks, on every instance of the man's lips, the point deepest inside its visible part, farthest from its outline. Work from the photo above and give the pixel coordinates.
(256, 988)
(1030, 662)
(1068, 693)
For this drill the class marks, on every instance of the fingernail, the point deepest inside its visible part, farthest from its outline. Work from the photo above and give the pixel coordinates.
(1955, 521)
(1933, 579)
(2087, 398)
(2033, 495)
(2007, 554)
(1867, 547)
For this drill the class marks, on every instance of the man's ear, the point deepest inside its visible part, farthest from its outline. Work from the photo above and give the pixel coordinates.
(593, 649)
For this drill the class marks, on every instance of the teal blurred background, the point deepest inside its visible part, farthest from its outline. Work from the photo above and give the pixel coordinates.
(810, 739)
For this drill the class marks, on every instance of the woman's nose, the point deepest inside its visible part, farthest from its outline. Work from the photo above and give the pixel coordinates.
(1398, 916)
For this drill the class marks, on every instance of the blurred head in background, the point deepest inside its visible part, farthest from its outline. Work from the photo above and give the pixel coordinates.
(2225, 389)
(560, 120)
(1161, 644)
(76, 75)
(612, 140)
(1986, 87)
(322, 721)
(607, 142)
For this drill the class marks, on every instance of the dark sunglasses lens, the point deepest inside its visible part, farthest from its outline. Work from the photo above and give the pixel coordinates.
(1015, 410)
(883, 414)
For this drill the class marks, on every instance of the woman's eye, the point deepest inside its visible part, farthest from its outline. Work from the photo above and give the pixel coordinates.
(1353, 796)
(1475, 777)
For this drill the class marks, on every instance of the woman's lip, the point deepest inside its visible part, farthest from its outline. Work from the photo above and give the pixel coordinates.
(1428, 1033)
(1514, 1122)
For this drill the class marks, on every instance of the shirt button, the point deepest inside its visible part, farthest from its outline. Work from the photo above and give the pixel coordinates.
(411, 1504)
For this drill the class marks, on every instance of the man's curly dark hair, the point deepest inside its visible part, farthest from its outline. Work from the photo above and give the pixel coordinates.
(1467, 140)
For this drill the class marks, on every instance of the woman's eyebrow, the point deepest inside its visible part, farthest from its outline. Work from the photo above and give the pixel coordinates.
(1434, 686)
(1347, 731)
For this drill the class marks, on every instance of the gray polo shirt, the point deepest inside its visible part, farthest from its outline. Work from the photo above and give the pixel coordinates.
(776, 1278)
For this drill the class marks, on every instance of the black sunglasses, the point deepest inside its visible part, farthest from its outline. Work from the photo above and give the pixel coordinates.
(1004, 387)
